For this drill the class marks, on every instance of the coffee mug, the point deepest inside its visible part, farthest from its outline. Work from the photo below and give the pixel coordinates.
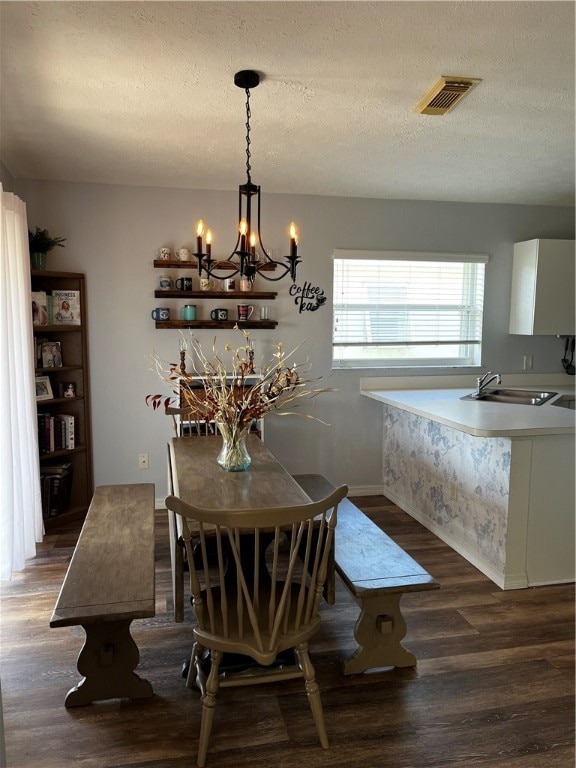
(229, 284)
(206, 284)
(188, 312)
(245, 284)
(165, 254)
(219, 314)
(183, 254)
(165, 283)
(184, 283)
(245, 311)
(161, 313)
(264, 313)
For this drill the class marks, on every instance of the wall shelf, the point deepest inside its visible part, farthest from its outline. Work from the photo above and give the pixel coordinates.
(162, 324)
(224, 265)
(176, 294)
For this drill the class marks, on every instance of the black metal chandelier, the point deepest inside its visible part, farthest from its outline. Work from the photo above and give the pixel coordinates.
(249, 257)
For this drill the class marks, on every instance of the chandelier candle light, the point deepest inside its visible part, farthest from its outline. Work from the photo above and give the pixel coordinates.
(249, 257)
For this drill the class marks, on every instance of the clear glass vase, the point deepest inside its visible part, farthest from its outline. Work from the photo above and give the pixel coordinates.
(233, 456)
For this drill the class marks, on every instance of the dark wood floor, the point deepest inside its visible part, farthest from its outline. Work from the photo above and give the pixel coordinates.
(494, 685)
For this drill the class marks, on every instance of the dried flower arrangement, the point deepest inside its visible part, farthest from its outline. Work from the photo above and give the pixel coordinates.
(217, 389)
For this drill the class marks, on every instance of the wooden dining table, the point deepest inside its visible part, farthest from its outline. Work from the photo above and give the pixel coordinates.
(195, 476)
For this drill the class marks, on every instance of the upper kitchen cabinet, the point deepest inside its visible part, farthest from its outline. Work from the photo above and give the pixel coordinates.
(542, 301)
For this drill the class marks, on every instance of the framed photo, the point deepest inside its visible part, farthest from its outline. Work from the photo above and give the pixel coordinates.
(51, 354)
(43, 388)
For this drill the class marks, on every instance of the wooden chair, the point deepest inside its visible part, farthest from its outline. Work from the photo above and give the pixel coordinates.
(256, 579)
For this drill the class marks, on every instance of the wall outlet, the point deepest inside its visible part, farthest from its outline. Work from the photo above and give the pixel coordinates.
(143, 461)
(527, 362)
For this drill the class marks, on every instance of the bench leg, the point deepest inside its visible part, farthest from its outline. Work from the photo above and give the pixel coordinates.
(107, 661)
(378, 631)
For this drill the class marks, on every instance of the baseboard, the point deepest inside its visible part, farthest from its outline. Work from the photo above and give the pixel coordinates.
(365, 490)
(504, 581)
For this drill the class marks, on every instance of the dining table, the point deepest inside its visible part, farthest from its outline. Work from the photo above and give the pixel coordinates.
(195, 476)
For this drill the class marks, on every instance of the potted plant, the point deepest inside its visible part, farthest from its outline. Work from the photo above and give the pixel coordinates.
(40, 243)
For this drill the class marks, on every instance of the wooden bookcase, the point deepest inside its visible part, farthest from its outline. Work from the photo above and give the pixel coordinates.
(74, 350)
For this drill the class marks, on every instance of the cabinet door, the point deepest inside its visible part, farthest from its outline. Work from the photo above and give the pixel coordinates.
(542, 299)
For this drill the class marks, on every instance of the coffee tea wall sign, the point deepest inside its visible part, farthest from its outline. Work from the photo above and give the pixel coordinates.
(308, 297)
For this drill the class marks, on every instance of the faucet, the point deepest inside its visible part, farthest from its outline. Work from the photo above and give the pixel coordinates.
(483, 381)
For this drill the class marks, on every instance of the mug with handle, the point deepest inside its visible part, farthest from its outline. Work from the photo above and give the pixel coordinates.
(219, 314)
(206, 284)
(184, 283)
(245, 311)
(160, 313)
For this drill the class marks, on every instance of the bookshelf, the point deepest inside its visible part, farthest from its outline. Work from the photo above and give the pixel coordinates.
(66, 472)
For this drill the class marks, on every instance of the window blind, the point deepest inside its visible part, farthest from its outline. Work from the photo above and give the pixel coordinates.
(405, 308)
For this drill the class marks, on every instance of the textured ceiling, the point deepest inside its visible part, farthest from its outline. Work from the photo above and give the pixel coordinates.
(142, 93)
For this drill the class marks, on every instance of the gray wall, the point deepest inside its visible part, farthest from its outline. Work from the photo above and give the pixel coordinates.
(113, 234)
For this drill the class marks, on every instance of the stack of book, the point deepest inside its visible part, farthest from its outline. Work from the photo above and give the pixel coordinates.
(55, 433)
(56, 484)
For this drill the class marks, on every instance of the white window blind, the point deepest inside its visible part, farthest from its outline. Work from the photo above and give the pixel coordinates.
(407, 309)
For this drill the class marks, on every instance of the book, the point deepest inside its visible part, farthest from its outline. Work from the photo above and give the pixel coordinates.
(51, 354)
(70, 437)
(66, 307)
(39, 308)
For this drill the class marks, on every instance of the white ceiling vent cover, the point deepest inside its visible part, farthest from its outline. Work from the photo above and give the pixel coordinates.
(445, 94)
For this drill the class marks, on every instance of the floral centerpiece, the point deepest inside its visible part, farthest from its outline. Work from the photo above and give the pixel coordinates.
(219, 390)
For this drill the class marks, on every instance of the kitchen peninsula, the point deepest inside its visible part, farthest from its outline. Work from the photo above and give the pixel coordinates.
(495, 481)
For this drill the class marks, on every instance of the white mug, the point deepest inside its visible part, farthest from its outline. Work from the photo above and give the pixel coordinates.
(245, 284)
(229, 284)
(264, 313)
(206, 284)
(165, 283)
(183, 254)
(165, 254)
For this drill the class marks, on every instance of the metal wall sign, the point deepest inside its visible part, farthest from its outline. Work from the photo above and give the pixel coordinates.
(307, 297)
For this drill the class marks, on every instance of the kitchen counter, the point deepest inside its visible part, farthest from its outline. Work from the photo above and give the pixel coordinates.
(495, 481)
(480, 418)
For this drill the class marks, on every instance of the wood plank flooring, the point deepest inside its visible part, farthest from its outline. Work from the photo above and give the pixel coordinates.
(494, 685)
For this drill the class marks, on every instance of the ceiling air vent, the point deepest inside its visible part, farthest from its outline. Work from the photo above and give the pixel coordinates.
(445, 94)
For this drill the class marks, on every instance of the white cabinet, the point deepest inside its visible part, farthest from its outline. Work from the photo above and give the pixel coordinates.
(542, 301)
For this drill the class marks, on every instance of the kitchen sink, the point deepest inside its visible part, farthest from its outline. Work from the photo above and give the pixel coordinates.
(511, 396)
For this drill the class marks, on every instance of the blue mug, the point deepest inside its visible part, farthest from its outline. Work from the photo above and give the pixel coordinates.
(188, 312)
(161, 313)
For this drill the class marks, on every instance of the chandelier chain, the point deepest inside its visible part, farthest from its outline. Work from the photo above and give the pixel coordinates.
(248, 142)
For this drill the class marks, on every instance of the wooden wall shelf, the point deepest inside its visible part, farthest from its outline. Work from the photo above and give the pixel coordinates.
(224, 265)
(246, 295)
(162, 324)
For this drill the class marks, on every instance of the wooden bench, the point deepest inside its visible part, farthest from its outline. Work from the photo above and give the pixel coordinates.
(110, 582)
(377, 572)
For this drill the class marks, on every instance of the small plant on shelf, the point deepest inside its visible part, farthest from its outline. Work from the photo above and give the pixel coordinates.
(40, 243)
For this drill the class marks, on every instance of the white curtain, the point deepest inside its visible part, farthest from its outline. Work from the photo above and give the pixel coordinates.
(20, 500)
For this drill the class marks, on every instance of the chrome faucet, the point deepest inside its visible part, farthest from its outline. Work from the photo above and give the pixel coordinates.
(483, 381)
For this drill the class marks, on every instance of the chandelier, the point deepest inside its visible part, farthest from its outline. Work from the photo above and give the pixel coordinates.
(249, 257)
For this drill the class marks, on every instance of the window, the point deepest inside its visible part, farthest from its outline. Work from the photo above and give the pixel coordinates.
(394, 309)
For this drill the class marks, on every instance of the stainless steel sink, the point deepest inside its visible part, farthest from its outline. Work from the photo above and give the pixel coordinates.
(511, 396)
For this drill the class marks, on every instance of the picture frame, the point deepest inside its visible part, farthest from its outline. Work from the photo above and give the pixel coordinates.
(43, 388)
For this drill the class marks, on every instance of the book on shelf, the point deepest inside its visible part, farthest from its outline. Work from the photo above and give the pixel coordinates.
(56, 488)
(51, 354)
(65, 307)
(69, 431)
(39, 308)
(55, 433)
